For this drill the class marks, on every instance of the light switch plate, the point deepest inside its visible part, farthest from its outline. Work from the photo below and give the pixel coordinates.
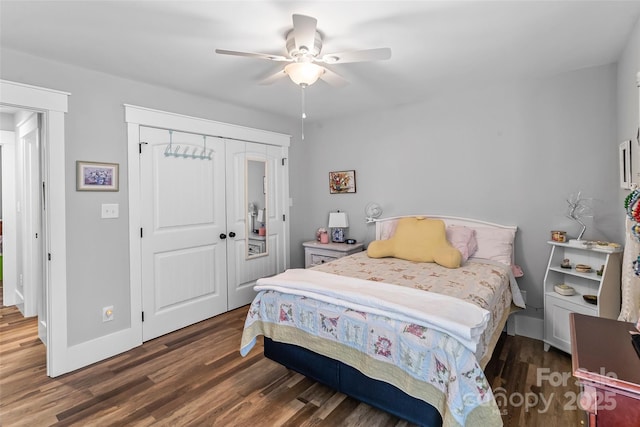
(110, 210)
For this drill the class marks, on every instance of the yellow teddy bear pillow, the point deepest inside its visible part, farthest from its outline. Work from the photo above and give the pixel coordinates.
(418, 239)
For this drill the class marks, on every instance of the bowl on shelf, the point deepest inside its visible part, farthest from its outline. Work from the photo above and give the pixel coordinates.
(583, 268)
(591, 299)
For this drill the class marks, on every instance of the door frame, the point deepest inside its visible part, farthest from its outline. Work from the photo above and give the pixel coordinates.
(53, 105)
(135, 117)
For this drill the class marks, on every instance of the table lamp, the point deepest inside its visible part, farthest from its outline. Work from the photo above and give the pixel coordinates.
(338, 221)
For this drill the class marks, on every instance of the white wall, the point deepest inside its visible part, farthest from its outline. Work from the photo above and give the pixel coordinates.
(6, 123)
(97, 250)
(509, 153)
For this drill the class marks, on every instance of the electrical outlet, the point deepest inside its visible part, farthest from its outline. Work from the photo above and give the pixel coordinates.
(107, 313)
(110, 210)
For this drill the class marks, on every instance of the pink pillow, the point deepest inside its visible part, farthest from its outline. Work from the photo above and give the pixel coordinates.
(463, 239)
(388, 229)
(495, 244)
(517, 270)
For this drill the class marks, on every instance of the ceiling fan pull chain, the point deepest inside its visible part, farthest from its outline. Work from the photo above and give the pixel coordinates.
(303, 115)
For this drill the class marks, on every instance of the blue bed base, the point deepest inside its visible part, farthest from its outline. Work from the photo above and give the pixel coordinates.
(352, 382)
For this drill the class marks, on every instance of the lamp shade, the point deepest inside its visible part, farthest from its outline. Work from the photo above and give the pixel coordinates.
(303, 73)
(338, 220)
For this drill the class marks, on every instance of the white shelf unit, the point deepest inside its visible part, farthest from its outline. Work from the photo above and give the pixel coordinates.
(606, 287)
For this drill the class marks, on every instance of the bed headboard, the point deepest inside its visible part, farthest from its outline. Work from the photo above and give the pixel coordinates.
(494, 241)
(386, 226)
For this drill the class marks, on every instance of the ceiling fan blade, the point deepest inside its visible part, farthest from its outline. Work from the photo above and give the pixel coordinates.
(272, 78)
(357, 56)
(333, 79)
(254, 55)
(304, 32)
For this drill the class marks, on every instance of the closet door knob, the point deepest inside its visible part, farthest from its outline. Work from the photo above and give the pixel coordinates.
(223, 236)
(232, 234)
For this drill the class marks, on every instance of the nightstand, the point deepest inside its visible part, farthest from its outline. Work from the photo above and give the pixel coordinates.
(316, 253)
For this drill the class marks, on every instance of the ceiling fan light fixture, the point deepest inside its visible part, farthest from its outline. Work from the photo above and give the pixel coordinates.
(303, 73)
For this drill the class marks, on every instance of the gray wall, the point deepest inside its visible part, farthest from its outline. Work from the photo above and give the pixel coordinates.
(6, 122)
(509, 153)
(98, 250)
(628, 67)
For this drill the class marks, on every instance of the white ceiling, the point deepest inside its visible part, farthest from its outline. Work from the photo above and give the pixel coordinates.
(436, 45)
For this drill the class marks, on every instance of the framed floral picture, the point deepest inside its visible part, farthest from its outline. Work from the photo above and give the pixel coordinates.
(93, 176)
(342, 182)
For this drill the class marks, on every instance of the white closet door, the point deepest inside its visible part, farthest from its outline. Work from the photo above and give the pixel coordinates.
(278, 208)
(240, 276)
(244, 268)
(183, 218)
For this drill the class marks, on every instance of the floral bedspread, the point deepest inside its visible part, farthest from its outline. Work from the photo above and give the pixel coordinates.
(424, 363)
(480, 282)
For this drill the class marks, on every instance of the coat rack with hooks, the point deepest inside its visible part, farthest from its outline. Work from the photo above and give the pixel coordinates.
(187, 152)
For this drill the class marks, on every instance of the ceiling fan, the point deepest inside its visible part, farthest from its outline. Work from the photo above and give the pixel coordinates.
(304, 45)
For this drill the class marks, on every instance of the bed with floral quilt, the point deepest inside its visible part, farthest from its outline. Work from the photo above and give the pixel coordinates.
(409, 337)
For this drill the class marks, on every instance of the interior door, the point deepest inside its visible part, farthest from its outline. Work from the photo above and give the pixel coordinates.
(277, 208)
(30, 272)
(240, 278)
(244, 265)
(183, 229)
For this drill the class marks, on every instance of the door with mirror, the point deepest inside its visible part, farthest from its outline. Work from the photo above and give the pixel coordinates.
(254, 216)
(256, 198)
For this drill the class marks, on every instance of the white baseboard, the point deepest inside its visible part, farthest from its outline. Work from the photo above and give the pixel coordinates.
(528, 326)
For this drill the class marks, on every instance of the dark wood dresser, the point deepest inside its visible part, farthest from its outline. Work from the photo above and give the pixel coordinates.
(608, 369)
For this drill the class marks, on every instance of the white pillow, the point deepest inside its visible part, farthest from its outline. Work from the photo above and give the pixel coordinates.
(495, 244)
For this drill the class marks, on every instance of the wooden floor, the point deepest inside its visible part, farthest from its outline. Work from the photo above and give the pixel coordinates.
(196, 377)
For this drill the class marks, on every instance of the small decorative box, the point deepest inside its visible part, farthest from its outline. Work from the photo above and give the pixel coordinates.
(565, 290)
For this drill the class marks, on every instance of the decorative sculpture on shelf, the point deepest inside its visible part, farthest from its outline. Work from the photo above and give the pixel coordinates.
(578, 209)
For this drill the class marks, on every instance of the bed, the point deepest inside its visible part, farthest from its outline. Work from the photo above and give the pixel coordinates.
(389, 331)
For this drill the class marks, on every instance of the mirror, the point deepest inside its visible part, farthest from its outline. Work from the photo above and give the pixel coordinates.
(256, 202)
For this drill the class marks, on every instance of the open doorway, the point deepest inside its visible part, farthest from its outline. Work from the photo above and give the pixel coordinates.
(23, 227)
(47, 109)
(21, 210)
